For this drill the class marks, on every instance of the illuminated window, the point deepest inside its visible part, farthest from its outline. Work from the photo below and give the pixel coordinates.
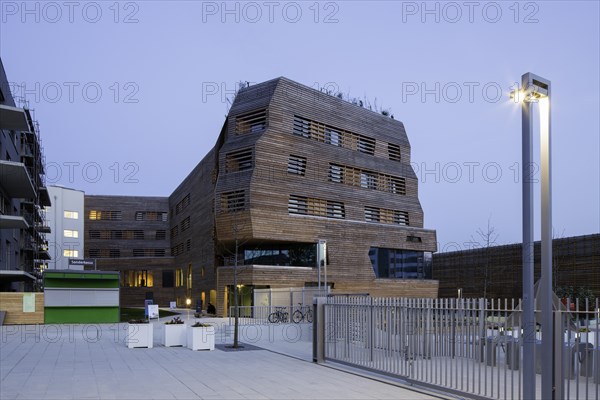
(71, 253)
(96, 215)
(134, 278)
(70, 233)
(179, 277)
(71, 214)
(189, 276)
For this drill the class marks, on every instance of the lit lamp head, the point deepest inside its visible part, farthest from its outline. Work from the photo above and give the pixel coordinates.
(532, 89)
(188, 302)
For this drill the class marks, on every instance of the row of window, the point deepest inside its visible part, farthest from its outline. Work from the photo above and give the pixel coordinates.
(127, 234)
(340, 137)
(386, 216)
(252, 122)
(170, 278)
(118, 253)
(302, 205)
(71, 214)
(318, 207)
(233, 201)
(180, 248)
(112, 215)
(182, 205)
(366, 179)
(239, 160)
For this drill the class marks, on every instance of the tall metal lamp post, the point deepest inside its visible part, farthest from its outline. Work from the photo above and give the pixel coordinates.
(535, 89)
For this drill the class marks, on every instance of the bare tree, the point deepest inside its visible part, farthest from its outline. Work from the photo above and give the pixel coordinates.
(487, 239)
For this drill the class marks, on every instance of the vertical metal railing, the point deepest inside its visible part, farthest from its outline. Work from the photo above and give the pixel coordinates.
(471, 347)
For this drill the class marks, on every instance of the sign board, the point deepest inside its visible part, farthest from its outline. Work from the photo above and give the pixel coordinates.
(173, 305)
(152, 311)
(28, 302)
(81, 263)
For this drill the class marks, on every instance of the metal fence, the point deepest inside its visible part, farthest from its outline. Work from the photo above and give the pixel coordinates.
(465, 346)
(258, 315)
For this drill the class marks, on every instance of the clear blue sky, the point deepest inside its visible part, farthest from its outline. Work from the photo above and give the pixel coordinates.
(135, 91)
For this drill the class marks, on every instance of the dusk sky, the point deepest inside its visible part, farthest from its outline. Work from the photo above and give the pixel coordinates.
(131, 95)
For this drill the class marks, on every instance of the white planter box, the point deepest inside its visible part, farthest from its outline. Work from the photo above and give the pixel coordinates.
(175, 335)
(140, 335)
(201, 338)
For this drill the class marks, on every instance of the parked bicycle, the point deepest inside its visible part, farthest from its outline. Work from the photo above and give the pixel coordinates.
(279, 315)
(299, 316)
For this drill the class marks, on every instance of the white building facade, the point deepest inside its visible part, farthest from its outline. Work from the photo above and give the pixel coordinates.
(65, 218)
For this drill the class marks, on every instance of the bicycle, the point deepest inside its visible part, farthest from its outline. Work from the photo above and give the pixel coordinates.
(279, 315)
(298, 316)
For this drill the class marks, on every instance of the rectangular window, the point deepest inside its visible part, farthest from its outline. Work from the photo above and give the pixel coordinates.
(188, 245)
(135, 278)
(96, 215)
(167, 278)
(301, 127)
(372, 214)
(94, 234)
(301, 205)
(335, 209)
(189, 276)
(332, 137)
(400, 217)
(241, 160)
(298, 205)
(179, 277)
(393, 152)
(151, 216)
(182, 205)
(233, 201)
(71, 253)
(71, 214)
(161, 235)
(368, 180)
(365, 144)
(174, 231)
(252, 122)
(336, 173)
(177, 250)
(185, 224)
(413, 239)
(297, 165)
(70, 233)
(114, 253)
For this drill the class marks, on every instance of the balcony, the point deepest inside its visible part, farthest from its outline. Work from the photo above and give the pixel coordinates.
(16, 182)
(13, 118)
(13, 222)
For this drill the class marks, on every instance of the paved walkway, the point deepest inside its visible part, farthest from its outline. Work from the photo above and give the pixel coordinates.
(92, 362)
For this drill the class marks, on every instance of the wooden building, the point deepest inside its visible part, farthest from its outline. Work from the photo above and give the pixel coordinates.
(292, 166)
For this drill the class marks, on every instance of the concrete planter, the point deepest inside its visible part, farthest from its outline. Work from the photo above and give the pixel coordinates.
(201, 338)
(140, 335)
(175, 335)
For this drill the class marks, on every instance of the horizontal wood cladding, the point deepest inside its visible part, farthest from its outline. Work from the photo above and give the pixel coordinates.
(391, 288)
(200, 254)
(576, 263)
(12, 303)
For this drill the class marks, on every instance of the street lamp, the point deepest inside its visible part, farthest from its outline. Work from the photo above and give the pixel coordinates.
(535, 89)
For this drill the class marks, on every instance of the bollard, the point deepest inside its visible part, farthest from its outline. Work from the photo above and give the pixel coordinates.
(513, 353)
(490, 352)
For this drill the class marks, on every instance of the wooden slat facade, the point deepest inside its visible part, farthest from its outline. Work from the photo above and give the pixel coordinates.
(576, 263)
(12, 303)
(241, 190)
(266, 217)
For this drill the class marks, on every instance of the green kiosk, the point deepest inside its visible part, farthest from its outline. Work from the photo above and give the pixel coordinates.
(72, 296)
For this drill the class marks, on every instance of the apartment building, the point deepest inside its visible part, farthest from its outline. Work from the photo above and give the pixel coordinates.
(23, 195)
